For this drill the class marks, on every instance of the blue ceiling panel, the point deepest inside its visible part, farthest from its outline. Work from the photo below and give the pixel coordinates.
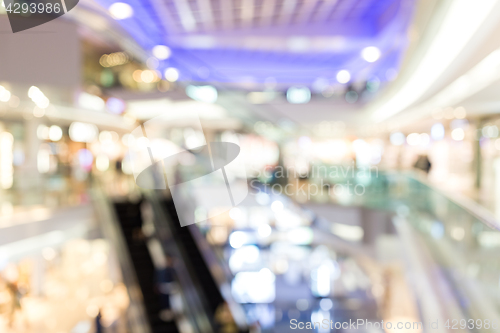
(293, 41)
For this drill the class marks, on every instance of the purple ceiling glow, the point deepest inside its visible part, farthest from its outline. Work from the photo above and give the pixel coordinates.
(290, 41)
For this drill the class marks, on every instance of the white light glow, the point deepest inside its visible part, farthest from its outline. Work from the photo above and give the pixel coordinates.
(254, 287)
(127, 166)
(371, 53)
(437, 132)
(397, 138)
(105, 137)
(83, 132)
(4, 94)
(148, 76)
(207, 94)
(490, 131)
(425, 139)
(323, 281)
(302, 304)
(161, 52)
(243, 256)
(277, 206)
(193, 138)
(262, 198)
(102, 162)
(458, 134)
(55, 133)
(326, 304)
(298, 95)
(42, 132)
(265, 230)
(38, 97)
(6, 160)
(343, 76)
(49, 253)
(128, 140)
(348, 232)
(300, 236)
(413, 139)
(91, 102)
(43, 160)
(121, 11)
(489, 239)
(171, 74)
(460, 113)
(237, 239)
(236, 213)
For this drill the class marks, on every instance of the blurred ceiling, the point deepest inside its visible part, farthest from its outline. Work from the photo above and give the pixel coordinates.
(254, 45)
(464, 39)
(289, 42)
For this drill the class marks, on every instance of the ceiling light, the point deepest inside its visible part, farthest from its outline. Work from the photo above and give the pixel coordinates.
(161, 52)
(343, 76)
(121, 11)
(371, 53)
(171, 74)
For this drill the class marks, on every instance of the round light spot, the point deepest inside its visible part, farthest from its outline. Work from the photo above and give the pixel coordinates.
(121, 11)
(371, 53)
(49, 253)
(265, 230)
(343, 76)
(413, 139)
(277, 206)
(458, 134)
(397, 138)
(302, 304)
(162, 52)
(171, 74)
(326, 304)
(55, 133)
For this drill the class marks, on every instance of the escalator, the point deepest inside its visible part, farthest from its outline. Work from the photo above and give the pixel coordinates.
(130, 221)
(199, 270)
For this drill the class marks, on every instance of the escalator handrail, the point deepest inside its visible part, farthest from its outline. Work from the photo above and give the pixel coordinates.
(470, 206)
(189, 290)
(219, 270)
(220, 273)
(110, 227)
(473, 208)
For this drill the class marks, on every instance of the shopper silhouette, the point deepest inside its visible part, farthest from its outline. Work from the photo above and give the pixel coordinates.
(98, 324)
(423, 163)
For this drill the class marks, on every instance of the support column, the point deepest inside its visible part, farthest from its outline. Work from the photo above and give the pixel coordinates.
(28, 175)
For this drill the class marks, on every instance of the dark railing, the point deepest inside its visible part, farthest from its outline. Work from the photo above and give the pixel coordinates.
(192, 291)
(136, 316)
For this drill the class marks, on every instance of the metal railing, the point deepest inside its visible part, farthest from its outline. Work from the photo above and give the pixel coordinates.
(191, 291)
(108, 221)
